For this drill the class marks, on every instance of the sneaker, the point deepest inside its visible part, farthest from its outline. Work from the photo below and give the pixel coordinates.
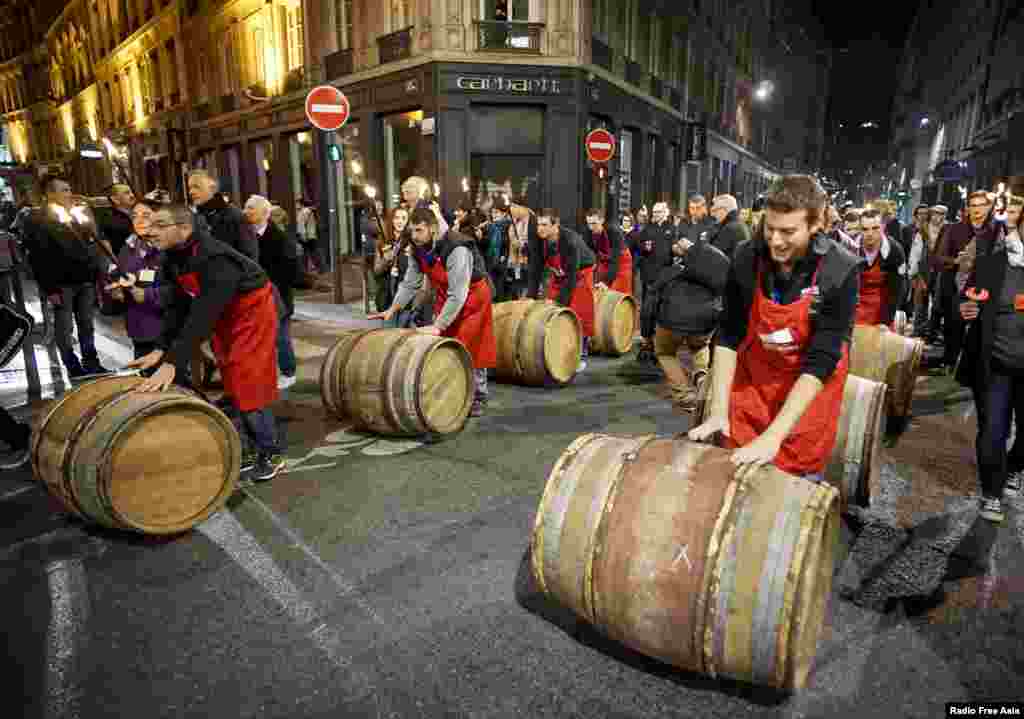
(1014, 484)
(992, 509)
(249, 460)
(265, 469)
(285, 381)
(15, 458)
(478, 408)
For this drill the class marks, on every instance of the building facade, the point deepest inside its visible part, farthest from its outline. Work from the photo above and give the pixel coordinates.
(957, 120)
(479, 96)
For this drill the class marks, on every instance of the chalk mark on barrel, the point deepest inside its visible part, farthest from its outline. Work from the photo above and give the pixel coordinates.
(681, 554)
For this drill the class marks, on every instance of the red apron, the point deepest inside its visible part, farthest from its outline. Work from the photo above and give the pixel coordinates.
(474, 325)
(245, 345)
(623, 281)
(581, 301)
(874, 293)
(768, 364)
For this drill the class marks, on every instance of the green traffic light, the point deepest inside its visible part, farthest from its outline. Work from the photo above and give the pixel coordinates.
(334, 152)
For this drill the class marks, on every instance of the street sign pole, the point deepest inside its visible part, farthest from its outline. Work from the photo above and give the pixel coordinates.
(327, 109)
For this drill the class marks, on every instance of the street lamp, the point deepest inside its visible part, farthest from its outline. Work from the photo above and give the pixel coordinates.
(925, 121)
(764, 90)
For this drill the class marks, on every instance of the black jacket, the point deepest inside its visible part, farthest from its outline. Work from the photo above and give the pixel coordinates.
(59, 254)
(730, 234)
(616, 242)
(989, 273)
(279, 258)
(655, 243)
(227, 224)
(222, 273)
(575, 256)
(115, 226)
(686, 297)
(894, 265)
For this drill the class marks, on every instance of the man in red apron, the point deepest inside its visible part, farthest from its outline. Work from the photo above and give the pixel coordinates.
(614, 260)
(220, 292)
(781, 360)
(571, 263)
(883, 276)
(463, 300)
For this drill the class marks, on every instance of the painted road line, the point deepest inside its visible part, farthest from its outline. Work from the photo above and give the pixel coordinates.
(66, 637)
(227, 532)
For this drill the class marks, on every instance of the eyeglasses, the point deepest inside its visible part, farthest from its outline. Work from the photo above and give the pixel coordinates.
(162, 225)
(977, 206)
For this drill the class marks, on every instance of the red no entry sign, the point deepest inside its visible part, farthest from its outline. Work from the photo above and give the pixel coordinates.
(327, 107)
(600, 146)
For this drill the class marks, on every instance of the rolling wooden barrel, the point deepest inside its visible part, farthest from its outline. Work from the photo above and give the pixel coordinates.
(654, 542)
(854, 462)
(615, 322)
(151, 462)
(539, 342)
(879, 354)
(400, 383)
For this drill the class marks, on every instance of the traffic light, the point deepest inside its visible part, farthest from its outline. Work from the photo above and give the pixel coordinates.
(334, 152)
(601, 171)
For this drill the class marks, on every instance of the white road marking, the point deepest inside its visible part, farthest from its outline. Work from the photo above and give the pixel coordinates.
(66, 637)
(681, 554)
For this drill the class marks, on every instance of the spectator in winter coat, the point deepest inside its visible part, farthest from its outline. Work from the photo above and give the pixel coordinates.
(115, 222)
(139, 293)
(730, 231)
(279, 259)
(225, 223)
(655, 244)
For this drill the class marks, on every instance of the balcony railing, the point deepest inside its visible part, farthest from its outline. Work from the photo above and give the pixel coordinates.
(603, 55)
(338, 64)
(495, 36)
(396, 46)
(634, 73)
(228, 103)
(203, 112)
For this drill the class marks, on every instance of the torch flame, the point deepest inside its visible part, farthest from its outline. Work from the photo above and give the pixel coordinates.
(437, 190)
(465, 184)
(80, 214)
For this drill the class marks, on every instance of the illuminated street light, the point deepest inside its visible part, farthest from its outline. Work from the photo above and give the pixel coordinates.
(764, 90)
(925, 121)
(357, 168)
(370, 191)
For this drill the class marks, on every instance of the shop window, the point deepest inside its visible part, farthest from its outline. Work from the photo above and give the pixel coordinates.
(263, 156)
(510, 129)
(510, 175)
(231, 175)
(301, 166)
(403, 148)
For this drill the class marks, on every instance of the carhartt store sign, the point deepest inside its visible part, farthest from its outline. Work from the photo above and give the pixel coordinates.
(511, 85)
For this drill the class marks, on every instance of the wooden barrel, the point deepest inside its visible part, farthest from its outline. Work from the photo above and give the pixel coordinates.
(400, 383)
(854, 462)
(879, 354)
(657, 544)
(616, 318)
(150, 462)
(538, 342)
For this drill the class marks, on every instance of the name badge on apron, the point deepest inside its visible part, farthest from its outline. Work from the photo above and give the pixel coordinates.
(147, 275)
(779, 341)
(1018, 303)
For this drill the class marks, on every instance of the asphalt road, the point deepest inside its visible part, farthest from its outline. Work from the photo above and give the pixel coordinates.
(382, 578)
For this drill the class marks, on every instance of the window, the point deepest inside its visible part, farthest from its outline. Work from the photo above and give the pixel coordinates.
(343, 23)
(172, 70)
(156, 79)
(230, 63)
(296, 44)
(401, 14)
(144, 88)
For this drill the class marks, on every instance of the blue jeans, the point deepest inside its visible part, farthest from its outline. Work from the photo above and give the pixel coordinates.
(996, 405)
(79, 302)
(285, 352)
(256, 428)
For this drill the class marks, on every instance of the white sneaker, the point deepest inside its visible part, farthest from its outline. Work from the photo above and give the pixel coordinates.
(581, 366)
(1013, 484)
(285, 381)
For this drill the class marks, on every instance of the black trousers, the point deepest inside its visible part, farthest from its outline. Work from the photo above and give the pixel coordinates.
(996, 406)
(953, 325)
